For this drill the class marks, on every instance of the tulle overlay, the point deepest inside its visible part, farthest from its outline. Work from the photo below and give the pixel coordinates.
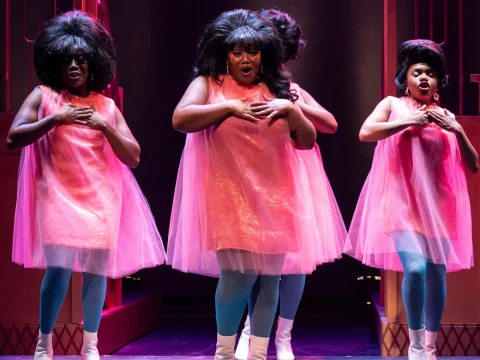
(78, 206)
(243, 200)
(414, 200)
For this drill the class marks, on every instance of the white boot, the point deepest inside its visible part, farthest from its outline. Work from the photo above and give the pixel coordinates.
(416, 350)
(225, 346)
(258, 348)
(430, 346)
(283, 339)
(89, 347)
(44, 349)
(243, 343)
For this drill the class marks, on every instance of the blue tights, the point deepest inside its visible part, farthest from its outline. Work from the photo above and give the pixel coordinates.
(52, 294)
(291, 291)
(424, 291)
(233, 292)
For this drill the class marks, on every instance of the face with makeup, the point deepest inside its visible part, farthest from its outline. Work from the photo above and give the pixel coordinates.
(75, 72)
(422, 82)
(244, 64)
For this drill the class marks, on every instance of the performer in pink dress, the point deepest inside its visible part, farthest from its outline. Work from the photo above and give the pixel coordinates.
(79, 207)
(332, 232)
(413, 214)
(242, 208)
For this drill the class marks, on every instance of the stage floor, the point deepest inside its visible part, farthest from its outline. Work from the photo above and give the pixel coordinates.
(321, 329)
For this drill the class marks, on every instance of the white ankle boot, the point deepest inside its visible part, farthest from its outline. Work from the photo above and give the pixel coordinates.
(283, 339)
(430, 346)
(44, 349)
(225, 346)
(89, 347)
(243, 343)
(258, 348)
(416, 350)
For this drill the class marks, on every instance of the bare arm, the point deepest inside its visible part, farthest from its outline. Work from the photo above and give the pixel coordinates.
(323, 120)
(377, 127)
(193, 114)
(469, 154)
(122, 141)
(303, 131)
(26, 128)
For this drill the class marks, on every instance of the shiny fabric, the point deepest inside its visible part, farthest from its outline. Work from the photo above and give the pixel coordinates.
(242, 200)
(414, 200)
(76, 202)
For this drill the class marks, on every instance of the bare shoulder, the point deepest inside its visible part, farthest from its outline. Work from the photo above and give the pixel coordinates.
(35, 97)
(197, 92)
(200, 81)
(382, 111)
(387, 102)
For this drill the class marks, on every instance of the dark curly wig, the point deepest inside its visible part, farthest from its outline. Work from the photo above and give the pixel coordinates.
(289, 31)
(421, 51)
(247, 29)
(74, 32)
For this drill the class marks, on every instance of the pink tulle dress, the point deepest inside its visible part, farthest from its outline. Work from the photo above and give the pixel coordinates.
(331, 233)
(243, 201)
(78, 206)
(414, 200)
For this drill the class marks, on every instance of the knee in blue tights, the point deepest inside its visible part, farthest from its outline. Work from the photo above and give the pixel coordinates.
(291, 291)
(436, 296)
(94, 288)
(231, 298)
(52, 294)
(413, 287)
(263, 305)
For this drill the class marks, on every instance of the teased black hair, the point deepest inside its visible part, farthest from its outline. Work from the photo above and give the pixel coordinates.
(247, 29)
(421, 51)
(74, 32)
(289, 32)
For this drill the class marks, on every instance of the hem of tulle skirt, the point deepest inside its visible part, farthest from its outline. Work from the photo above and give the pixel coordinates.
(452, 267)
(254, 251)
(116, 275)
(329, 260)
(287, 270)
(216, 274)
(79, 246)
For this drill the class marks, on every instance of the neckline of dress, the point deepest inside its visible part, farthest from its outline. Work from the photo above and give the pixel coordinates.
(236, 84)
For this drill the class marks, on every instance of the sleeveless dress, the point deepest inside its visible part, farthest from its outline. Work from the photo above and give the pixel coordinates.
(242, 200)
(414, 200)
(78, 206)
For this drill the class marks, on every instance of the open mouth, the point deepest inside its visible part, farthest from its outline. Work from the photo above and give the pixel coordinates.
(246, 71)
(424, 86)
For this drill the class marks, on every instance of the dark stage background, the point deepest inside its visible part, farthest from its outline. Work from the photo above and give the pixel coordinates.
(341, 67)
